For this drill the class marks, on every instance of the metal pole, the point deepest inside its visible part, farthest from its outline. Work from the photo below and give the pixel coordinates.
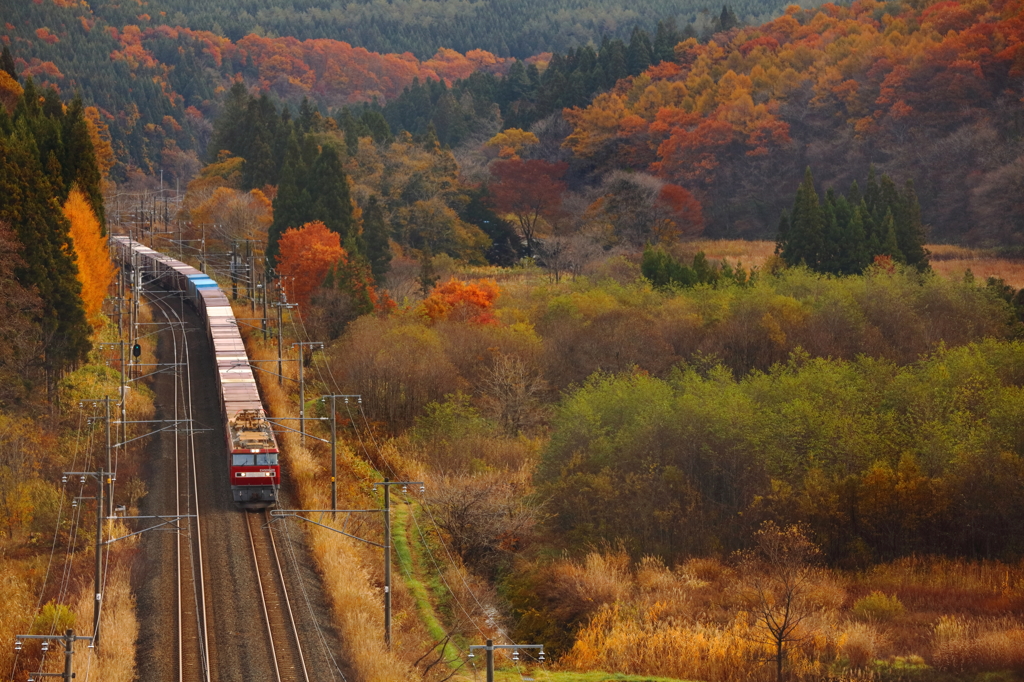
(69, 651)
(387, 564)
(302, 400)
(99, 561)
(334, 455)
(110, 497)
(124, 398)
(265, 303)
(280, 318)
(490, 661)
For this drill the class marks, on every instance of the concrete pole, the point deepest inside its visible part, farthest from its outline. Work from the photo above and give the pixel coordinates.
(69, 651)
(334, 455)
(110, 468)
(387, 564)
(280, 322)
(99, 561)
(302, 400)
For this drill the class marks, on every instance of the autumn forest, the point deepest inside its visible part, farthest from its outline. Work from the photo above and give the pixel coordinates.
(703, 326)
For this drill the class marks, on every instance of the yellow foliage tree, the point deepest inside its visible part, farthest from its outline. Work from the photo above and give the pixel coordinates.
(10, 91)
(512, 141)
(95, 269)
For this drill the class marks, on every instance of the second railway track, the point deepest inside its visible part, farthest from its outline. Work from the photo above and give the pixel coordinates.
(282, 633)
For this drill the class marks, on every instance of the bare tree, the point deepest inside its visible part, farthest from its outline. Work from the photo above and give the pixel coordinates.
(778, 568)
(485, 517)
(512, 389)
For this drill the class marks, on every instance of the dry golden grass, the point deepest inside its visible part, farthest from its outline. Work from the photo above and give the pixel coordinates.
(749, 253)
(119, 626)
(692, 622)
(17, 601)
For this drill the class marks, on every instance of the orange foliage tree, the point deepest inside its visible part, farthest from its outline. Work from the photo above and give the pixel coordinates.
(307, 254)
(95, 269)
(312, 258)
(463, 301)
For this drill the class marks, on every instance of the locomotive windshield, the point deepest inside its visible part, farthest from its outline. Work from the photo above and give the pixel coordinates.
(257, 459)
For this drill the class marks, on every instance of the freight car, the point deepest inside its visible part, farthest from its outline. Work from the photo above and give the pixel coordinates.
(255, 475)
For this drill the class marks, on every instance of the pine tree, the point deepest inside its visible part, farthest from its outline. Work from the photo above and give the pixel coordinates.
(7, 63)
(29, 205)
(227, 133)
(805, 240)
(80, 168)
(909, 229)
(375, 234)
(889, 245)
(639, 55)
(831, 256)
(854, 255)
(332, 203)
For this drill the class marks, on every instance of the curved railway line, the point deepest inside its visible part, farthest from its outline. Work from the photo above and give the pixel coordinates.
(193, 662)
(221, 603)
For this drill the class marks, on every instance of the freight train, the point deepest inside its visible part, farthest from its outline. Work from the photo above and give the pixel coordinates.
(255, 475)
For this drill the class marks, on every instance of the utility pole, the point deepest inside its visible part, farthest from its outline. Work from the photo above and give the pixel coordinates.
(386, 546)
(280, 305)
(98, 475)
(68, 638)
(313, 345)
(491, 646)
(110, 467)
(264, 297)
(334, 444)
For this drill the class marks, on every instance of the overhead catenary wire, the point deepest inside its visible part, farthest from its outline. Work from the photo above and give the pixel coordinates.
(393, 473)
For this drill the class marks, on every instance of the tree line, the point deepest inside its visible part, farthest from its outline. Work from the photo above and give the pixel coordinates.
(849, 232)
(46, 154)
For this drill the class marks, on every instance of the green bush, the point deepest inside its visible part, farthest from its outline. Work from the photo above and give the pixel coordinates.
(878, 607)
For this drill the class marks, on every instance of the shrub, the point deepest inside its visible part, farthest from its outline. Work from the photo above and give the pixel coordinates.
(878, 607)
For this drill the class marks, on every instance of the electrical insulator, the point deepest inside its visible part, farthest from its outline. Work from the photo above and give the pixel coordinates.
(46, 646)
(515, 654)
(471, 654)
(63, 480)
(405, 490)
(541, 657)
(17, 645)
(423, 489)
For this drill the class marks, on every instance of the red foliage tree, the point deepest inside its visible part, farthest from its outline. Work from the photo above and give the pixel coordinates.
(530, 191)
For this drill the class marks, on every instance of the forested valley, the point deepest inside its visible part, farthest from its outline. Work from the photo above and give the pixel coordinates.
(656, 301)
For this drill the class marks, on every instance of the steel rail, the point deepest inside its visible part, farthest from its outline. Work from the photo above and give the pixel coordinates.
(285, 670)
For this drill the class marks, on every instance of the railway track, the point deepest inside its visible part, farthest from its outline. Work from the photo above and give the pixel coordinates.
(282, 633)
(193, 661)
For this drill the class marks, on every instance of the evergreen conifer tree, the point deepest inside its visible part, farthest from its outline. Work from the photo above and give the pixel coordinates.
(29, 205)
(332, 204)
(375, 234)
(909, 229)
(889, 245)
(7, 63)
(79, 163)
(805, 239)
